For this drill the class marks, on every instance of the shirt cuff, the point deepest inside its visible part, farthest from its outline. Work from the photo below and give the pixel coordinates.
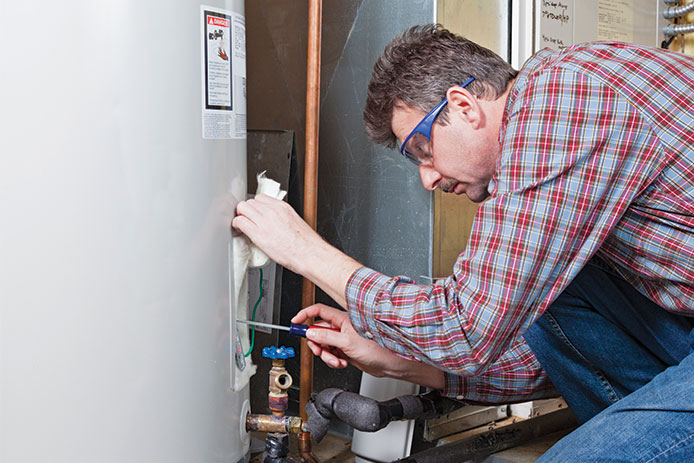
(360, 293)
(455, 386)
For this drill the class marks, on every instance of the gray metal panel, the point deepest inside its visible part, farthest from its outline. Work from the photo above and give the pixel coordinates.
(371, 202)
(269, 151)
(277, 38)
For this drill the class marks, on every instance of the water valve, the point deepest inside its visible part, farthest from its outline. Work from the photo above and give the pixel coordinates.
(283, 353)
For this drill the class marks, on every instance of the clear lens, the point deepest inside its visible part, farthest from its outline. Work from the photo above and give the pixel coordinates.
(417, 148)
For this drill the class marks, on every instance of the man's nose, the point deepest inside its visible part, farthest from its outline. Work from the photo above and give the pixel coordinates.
(430, 177)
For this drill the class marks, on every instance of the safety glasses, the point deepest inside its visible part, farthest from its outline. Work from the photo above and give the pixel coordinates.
(416, 147)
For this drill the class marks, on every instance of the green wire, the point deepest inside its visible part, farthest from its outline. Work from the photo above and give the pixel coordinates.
(260, 297)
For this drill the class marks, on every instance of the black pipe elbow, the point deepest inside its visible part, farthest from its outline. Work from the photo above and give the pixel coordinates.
(365, 414)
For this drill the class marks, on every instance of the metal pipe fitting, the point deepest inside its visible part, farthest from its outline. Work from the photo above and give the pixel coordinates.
(280, 380)
(678, 11)
(274, 423)
(677, 29)
(278, 426)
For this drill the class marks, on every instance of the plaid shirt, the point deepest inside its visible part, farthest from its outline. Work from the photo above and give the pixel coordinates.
(596, 160)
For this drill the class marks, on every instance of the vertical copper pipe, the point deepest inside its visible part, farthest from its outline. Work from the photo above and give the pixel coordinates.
(310, 178)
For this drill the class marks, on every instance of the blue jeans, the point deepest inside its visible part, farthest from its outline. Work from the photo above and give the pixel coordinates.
(624, 365)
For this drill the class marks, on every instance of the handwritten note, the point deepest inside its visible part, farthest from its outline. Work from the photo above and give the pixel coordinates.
(555, 11)
(556, 23)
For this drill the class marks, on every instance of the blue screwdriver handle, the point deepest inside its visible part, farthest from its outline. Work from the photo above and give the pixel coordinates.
(300, 330)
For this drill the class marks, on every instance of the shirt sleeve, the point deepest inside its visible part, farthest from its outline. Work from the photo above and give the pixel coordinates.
(574, 156)
(516, 376)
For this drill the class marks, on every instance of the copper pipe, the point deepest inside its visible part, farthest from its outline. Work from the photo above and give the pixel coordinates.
(310, 179)
(274, 423)
(305, 449)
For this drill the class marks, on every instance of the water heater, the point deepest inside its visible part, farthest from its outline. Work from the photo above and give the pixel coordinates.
(122, 157)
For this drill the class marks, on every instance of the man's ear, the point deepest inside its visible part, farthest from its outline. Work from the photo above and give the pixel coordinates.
(465, 105)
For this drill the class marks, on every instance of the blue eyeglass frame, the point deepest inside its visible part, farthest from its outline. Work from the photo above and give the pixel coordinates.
(424, 126)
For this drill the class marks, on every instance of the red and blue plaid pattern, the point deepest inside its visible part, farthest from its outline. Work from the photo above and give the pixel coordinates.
(597, 160)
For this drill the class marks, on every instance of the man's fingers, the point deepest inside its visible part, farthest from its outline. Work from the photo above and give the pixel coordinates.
(332, 315)
(326, 313)
(246, 207)
(309, 312)
(315, 348)
(263, 198)
(266, 205)
(331, 360)
(270, 203)
(246, 216)
(242, 224)
(328, 338)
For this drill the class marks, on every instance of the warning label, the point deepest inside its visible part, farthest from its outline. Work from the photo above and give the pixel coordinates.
(223, 74)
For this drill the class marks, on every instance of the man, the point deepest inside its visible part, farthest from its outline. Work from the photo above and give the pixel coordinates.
(580, 264)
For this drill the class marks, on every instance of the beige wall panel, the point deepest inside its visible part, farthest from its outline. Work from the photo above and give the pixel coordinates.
(453, 216)
(276, 36)
(485, 23)
(688, 40)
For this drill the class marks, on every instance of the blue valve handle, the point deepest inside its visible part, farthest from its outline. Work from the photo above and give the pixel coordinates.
(283, 353)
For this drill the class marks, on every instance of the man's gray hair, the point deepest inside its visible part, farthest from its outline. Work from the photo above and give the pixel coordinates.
(419, 66)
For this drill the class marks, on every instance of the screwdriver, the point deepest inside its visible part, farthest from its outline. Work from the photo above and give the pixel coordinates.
(294, 328)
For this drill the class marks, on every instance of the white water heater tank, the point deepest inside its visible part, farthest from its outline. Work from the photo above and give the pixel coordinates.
(122, 157)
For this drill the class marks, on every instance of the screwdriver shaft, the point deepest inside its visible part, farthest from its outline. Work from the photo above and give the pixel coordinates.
(264, 325)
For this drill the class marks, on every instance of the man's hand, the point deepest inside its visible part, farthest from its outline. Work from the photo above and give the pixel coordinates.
(347, 346)
(278, 231)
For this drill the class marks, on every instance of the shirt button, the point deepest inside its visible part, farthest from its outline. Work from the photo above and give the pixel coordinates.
(369, 335)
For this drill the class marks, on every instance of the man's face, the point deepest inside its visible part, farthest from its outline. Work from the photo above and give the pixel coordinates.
(463, 157)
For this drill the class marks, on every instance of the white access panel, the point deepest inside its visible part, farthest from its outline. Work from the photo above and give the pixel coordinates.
(566, 22)
(557, 24)
(114, 230)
